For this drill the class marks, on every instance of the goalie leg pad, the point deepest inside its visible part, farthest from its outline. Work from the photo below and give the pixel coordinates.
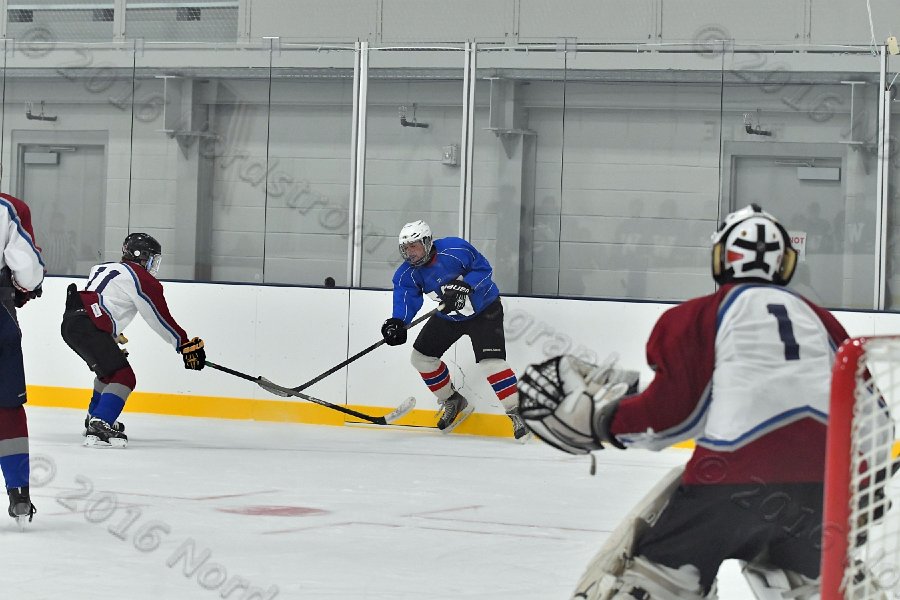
(603, 573)
(659, 582)
(647, 580)
(772, 583)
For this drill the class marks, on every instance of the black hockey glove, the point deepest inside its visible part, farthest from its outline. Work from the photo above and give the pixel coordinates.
(455, 295)
(394, 332)
(193, 354)
(22, 295)
(555, 404)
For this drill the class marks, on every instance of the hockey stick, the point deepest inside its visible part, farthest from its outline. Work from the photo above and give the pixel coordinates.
(362, 353)
(405, 406)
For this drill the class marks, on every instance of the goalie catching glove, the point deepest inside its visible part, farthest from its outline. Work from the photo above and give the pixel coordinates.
(570, 403)
(193, 354)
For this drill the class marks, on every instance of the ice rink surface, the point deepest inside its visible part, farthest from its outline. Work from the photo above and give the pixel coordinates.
(205, 509)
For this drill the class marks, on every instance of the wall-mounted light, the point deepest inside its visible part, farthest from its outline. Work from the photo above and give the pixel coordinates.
(410, 123)
(750, 128)
(29, 113)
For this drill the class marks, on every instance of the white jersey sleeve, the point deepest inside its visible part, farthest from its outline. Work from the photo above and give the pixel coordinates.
(20, 253)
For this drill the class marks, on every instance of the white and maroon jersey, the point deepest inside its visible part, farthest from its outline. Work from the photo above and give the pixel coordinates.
(746, 372)
(19, 251)
(126, 289)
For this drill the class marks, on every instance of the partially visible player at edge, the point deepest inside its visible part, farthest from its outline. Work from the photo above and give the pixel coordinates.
(21, 276)
(746, 373)
(93, 325)
(451, 271)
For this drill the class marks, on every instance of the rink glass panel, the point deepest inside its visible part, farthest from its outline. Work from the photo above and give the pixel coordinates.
(199, 174)
(406, 177)
(517, 167)
(801, 143)
(310, 153)
(892, 266)
(614, 172)
(67, 148)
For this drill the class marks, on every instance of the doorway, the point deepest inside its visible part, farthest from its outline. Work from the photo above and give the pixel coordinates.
(65, 187)
(809, 188)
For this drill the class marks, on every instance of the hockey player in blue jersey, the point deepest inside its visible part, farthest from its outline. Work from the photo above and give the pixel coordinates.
(450, 270)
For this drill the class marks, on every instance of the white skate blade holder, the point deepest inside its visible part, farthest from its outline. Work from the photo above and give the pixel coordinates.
(92, 441)
(22, 522)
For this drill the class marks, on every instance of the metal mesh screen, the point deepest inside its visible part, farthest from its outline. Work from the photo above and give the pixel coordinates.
(180, 21)
(60, 20)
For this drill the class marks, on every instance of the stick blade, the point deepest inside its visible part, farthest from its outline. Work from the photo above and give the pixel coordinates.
(399, 412)
(273, 388)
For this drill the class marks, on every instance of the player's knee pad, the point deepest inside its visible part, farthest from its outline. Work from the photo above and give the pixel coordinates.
(124, 377)
(423, 363)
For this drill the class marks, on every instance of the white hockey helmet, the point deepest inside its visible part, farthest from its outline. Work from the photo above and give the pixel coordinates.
(752, 244)
(412, 233)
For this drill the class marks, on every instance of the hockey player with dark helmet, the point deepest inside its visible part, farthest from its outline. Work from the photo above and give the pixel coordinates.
(143, 249)
(94, 321)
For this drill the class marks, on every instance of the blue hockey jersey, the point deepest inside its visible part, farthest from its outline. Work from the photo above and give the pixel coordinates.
(454, 258)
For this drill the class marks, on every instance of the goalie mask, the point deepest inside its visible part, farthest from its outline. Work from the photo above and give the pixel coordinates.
(416, 243)
(143, 249)
(752, 244)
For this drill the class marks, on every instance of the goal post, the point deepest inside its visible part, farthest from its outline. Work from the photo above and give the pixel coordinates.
(861, 524)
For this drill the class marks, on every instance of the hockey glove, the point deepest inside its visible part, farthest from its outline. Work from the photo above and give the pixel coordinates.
(193, 354)
(22, 295)
(394, 332)
(555, 402)
(455, 294)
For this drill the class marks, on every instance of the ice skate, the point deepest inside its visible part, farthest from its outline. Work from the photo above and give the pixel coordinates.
(454, 411)
(118, 426)
(520, 430)
(20, 507)
(101, 434)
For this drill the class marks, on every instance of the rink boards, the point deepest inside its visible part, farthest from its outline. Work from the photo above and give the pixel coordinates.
(291, 334)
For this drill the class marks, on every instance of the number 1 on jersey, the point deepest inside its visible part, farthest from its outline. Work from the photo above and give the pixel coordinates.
(785, 331)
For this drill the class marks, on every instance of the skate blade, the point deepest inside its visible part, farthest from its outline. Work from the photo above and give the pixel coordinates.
(524, 439)
(92, 441)
(21, 522)
(462, 416)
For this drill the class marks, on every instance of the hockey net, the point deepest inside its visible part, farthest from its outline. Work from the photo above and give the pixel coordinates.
(861, 533)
